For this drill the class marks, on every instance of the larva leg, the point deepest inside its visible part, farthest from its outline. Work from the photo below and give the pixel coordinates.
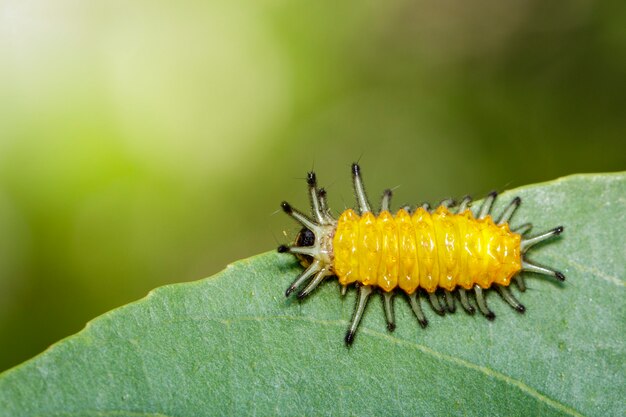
(426, 206)
(311, 180)
(321, 194)
(386, 200)
(388, 306)
(527, 266)
(509, 210)
(361, 197)
(465, 301)
(407, 208)
(528, 243)
(487, 204)
(464, 204)
(363, 295)
(319, 277)
(301, 218)
(510, 299)
(434, 302)
(449, 299)
(302, 250)
(482, 303)
(314, 268)
(417, 309)
(523, 229)
(519, 280)
(344, 290)
(447, 203)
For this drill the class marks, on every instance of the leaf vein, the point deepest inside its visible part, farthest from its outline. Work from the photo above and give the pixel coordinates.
(424, 349)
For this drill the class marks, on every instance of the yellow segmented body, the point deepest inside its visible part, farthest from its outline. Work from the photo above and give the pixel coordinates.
(424, 250)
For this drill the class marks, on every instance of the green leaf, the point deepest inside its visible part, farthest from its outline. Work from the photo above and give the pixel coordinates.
(233, 344)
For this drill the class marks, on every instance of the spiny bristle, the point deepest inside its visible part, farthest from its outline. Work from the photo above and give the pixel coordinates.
(349, 338)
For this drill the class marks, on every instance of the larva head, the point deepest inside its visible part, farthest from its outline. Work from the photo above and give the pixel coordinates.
(304, 238)
(314, 240)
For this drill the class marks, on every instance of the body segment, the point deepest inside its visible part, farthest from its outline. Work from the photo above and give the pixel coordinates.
(424, 250)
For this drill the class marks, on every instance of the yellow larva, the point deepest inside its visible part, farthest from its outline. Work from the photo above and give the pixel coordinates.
(446, 250)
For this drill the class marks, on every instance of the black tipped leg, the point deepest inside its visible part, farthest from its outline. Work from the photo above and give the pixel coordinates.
(485, 209)
(359, 190)
(523, 229)
(482, 304)
(417, 310)
(465, 202)
(386, 200)
(283, 249)
(344, 290)
(389, 313)
(447, 203)
(356, 170)
(286, 207)
(449, 302)
(349, 338)
(314, 268)
(321, 196)
(465, 302)
(363, 296)
(434, 303)
(316, 205)
(509, 210)
(521, 285)
(508, 296)
(527, 266)
(530, 242)
(312, 285)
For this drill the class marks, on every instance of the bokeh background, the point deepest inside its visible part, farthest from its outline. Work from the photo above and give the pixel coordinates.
(150, 142)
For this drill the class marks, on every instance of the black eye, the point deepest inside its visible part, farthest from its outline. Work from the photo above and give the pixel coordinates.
(305, 238)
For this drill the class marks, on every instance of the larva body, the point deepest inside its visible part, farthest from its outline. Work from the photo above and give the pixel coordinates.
(424, 250)
(445, 253)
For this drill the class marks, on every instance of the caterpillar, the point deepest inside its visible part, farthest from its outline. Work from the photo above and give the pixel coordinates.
(446, 253)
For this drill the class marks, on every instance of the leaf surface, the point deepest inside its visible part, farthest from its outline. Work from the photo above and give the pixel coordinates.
(232, 344)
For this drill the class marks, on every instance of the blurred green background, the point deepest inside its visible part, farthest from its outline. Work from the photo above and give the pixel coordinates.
(150, 142)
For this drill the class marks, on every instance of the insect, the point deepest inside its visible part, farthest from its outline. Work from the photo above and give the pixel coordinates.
(446, 253)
